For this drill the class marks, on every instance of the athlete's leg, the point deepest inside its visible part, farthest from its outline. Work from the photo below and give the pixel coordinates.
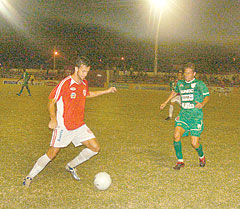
(43, 161)
(171, 109)
(92, 148)
(179, 131)
(195, 141)
(29, 93)
(92, 144)
(20, 91)
(198, 147)
(52, 152)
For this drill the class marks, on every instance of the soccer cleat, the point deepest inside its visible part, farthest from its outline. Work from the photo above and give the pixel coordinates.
(179, 165)
(18, 94)
(27, 181)
(73, 172)
(168, 118)
(202, 161)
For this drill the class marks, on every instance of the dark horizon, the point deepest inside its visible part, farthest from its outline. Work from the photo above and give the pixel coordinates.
(28, 37)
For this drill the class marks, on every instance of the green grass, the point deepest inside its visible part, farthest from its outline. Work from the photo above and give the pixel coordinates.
(136, 150)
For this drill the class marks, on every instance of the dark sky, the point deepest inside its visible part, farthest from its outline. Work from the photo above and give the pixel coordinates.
(75, 24)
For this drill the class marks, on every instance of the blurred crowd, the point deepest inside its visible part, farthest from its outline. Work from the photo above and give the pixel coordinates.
(97, 78)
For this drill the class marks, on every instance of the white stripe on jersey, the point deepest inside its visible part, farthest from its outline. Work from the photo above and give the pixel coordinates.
(60, 87)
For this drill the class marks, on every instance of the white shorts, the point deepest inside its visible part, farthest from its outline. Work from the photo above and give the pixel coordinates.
(63, 137)
(176, 99)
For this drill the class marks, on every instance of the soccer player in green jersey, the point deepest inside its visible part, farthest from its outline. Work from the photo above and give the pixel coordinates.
(25, 77)
(194, 96)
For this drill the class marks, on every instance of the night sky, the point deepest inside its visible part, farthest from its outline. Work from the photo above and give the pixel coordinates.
(117, 28)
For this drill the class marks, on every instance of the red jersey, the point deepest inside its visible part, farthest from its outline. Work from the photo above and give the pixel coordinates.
(70, 98)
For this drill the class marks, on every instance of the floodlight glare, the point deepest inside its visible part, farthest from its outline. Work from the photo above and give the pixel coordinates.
(159, 3)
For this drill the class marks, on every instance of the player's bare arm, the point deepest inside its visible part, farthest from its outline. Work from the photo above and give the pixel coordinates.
(202, 104)
(173, 94)
(98, 93)
(52, 112)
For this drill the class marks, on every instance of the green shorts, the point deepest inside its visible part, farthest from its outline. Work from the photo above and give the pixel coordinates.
(193, 125)
(25, 84)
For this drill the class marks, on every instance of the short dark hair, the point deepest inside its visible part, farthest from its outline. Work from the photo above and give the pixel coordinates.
(82, 61)
(190, 65)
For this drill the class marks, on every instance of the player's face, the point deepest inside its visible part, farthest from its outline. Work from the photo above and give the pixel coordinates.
(189, 74)
(83, 71)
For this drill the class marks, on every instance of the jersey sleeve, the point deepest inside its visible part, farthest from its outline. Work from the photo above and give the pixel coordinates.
(56, 93)
(177, 87)
(203, 89)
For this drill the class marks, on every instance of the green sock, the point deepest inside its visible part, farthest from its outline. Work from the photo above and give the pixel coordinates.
(178, 149)
(21, 90)
(200, 151)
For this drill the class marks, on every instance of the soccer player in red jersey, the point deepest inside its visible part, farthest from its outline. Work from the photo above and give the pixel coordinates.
(66, 107)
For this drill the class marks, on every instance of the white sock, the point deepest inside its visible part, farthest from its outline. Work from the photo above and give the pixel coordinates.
(170, 111)
(180, 160)
(39, 165)
(83, 156)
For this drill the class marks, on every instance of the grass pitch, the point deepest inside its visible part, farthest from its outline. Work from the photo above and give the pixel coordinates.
(136, 150)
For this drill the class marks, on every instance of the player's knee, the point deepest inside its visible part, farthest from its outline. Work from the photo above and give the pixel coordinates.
(52, 153)
(94, 145)
(177, 137)
(195, 144)
(95, 148)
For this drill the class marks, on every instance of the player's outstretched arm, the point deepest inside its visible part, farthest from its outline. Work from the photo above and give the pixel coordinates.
(98, 93)
(173, 94)
(52, 112)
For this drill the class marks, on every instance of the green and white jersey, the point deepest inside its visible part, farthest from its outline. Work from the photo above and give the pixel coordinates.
(191, 92)
(172, 85)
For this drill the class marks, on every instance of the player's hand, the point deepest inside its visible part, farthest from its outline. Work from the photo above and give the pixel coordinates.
(199, 105)
(112, 90)
(52, 124)
(162, 106)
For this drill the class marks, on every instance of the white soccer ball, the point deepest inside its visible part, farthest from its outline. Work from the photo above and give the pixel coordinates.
(102, 181)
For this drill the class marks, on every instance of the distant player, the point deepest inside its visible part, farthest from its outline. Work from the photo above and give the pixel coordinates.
(25, 77)
(194, 96)
(31, 79)
(175, 99)
(67, 120)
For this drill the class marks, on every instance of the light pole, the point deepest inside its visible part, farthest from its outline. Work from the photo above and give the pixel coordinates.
(158, 5)
(54, 59)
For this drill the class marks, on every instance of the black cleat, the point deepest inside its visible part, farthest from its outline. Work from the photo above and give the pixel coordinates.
(168, 118)
(202, 161)
(179, 165)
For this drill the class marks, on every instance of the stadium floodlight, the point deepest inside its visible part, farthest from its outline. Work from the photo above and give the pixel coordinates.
(159, 3)
(9, 13)
(5, 8)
